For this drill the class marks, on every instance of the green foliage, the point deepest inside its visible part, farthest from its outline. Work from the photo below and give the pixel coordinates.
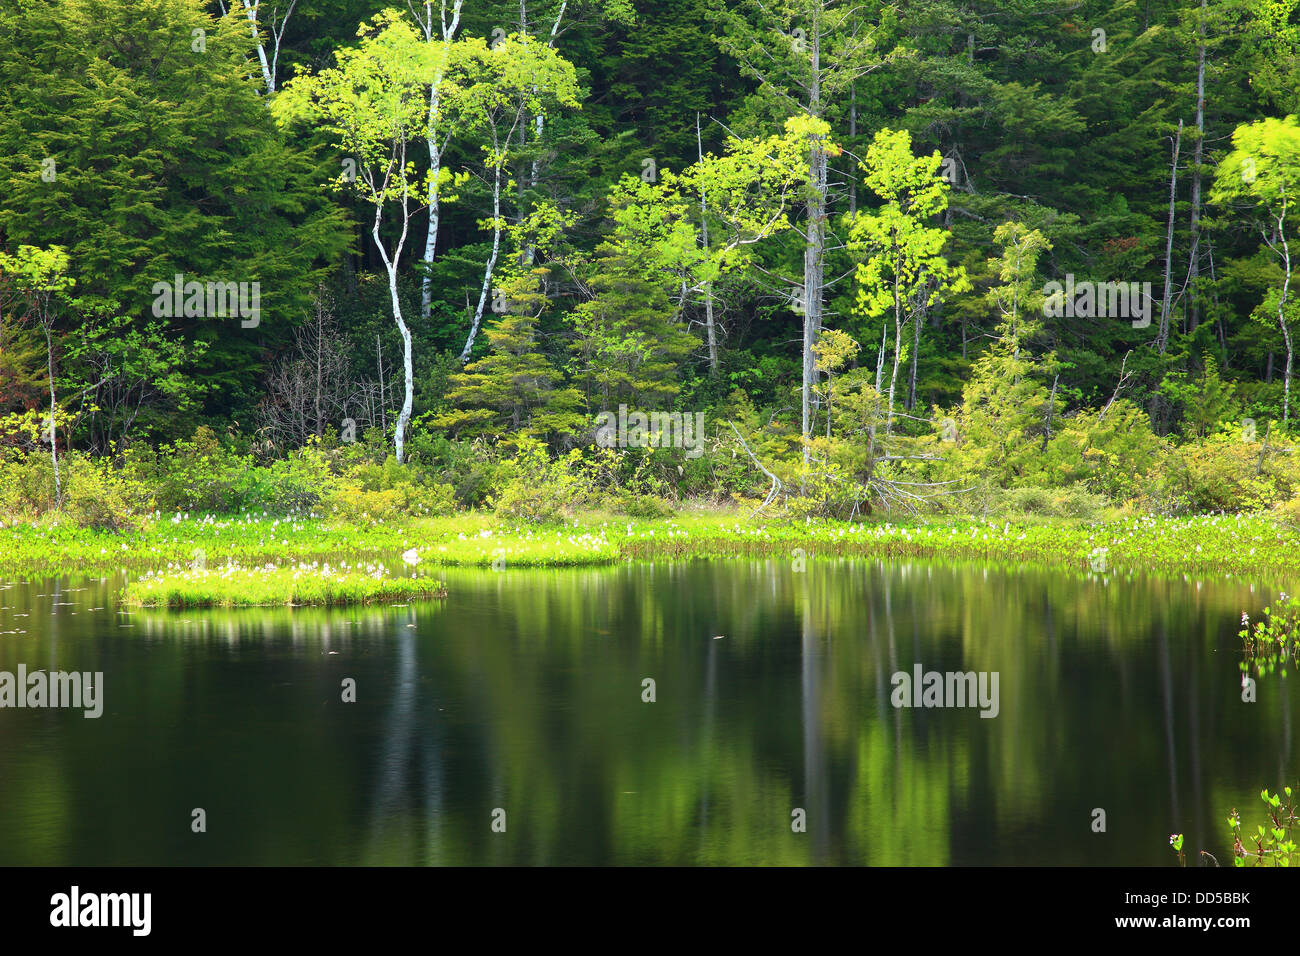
(102, 496)
(1205, 400)
(387, 491)
(96, 493)
(515, 388)
(1072, 501)
(537, 488)
(201, 474)
(902, 271)
(1114, 452)
(628, 341)
(1229, 474)
(1273, 842)
(145, 166)
(1005, 411)
(643, 506)
(1274, 641)
(960, 135)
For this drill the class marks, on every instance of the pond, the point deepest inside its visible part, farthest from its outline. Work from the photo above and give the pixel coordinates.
(513, 722)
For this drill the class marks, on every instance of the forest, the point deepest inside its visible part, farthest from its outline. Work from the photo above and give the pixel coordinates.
(376, 259)
(668, 379)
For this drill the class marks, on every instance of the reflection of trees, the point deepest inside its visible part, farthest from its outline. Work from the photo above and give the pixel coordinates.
(408, 744)
(716, 765)
(1120, 695)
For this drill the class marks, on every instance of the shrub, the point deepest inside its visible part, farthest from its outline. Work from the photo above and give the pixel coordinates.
(97, 495)
(26, 484)
(538, 488)
(1226, 473)
(283, 486)
(201, 475)
(385, 489)
(644, 506)
(350, 500)
(1289, 511)
(1073, 501)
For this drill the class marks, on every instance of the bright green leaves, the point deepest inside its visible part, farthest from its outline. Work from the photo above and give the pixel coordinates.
(373, 102)
(901, 256)
(1263, 169)
(34, 270)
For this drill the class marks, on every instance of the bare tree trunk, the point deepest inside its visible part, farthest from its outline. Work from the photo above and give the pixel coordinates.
(898, 353)
(270, 66)
(710, 333)
(1281, 316)
(853, 132)
(408, 394)
(1194, 258)
(383, 406)
(447, 32)
(320, 344)
(880, 356)
(391, 263)
(539, 121)
(916, 352)
(1162, 338)
(47, 323)
(497, 161)
(815, 244)
(1049, 411)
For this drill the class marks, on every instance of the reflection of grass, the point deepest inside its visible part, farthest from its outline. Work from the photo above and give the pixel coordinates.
(235, 586)
(1253, 546)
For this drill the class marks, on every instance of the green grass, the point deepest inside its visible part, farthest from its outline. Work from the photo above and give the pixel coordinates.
(1207, 545)
(1212, 546)
(523, 547)
(235, 586)
(182, 540)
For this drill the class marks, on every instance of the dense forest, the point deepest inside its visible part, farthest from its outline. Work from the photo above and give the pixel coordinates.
(408, 258)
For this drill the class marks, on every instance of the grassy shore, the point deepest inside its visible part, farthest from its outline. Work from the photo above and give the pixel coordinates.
(1254, 546)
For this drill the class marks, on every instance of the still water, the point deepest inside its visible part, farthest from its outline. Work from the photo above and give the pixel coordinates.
(520, 700)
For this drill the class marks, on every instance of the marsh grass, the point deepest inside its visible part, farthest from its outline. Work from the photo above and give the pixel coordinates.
(523, 547)
(272, 585)
(248, 539)
(1256, 546)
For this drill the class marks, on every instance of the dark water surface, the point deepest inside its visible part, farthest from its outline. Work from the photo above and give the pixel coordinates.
(523, 692)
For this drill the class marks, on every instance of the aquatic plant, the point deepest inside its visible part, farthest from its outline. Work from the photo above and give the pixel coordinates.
(1274, 640)
(1272, 844)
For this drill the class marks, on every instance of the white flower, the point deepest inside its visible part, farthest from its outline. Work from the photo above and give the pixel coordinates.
(411, 556)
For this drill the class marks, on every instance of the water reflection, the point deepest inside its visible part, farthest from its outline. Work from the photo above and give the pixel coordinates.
(522, 691)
